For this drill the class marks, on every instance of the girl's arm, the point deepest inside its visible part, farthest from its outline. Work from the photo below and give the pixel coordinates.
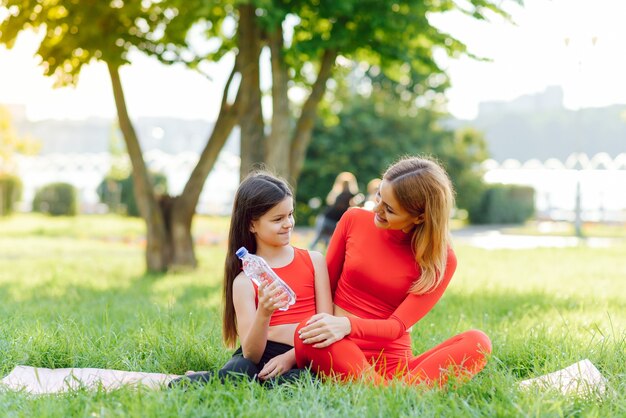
(253, 322)
(323, 297)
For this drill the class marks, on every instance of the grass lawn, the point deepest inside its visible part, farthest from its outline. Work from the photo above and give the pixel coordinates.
(73, 293)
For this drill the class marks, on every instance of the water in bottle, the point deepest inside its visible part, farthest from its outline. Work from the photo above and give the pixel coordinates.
(259, 271)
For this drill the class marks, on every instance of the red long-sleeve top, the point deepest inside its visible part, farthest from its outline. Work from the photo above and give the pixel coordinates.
(371, 270)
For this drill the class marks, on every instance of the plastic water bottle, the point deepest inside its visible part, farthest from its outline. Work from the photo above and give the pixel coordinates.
(259, 271)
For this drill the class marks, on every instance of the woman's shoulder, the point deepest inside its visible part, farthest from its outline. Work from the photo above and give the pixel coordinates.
(358, 214)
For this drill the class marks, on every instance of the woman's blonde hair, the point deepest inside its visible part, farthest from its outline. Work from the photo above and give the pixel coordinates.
(423, 188)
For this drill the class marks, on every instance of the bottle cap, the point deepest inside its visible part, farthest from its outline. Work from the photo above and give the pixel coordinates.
(241, 252)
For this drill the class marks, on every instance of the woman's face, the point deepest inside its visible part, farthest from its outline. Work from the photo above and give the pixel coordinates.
(389, 213)
(275, 226)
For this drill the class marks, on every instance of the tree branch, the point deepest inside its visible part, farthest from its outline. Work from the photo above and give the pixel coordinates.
(304, 125)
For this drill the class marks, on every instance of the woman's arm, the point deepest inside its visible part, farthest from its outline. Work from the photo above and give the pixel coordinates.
(336, 253)
(253, 322)
(323, 330)
(323, 298)
(408, 313)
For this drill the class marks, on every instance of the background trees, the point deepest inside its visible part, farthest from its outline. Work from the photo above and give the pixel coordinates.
(10, 144)
(304, 42)
(369, 133)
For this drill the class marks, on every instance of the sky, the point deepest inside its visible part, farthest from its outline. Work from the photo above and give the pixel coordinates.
(525, 58)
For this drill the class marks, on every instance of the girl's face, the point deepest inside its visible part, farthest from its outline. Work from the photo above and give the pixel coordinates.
(389, 213)
(275, 226)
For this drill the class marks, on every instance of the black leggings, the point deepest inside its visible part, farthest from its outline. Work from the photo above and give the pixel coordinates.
(238, 368)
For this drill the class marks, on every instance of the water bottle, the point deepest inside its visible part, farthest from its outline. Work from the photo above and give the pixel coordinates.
(258, 271)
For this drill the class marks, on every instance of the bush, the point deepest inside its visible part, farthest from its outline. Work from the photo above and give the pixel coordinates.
(119, 194)
(56, 199)
(503, 204)
(10, 192)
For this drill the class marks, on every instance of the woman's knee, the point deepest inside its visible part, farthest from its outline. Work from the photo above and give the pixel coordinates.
(302, 350)
(479, 339)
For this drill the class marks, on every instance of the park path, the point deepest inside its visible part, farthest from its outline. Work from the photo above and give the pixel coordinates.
(492, 237)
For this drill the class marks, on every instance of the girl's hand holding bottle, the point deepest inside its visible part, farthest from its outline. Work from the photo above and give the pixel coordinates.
(271, 297)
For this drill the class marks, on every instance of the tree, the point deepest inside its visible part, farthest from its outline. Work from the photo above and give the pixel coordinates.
(82, 31)
(396, 38)
(305, 39)
(11, 143)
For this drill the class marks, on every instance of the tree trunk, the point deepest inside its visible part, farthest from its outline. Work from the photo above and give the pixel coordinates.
(304, 125)
(180, 210)
(250, 117)
(278, 142)
(158, 249)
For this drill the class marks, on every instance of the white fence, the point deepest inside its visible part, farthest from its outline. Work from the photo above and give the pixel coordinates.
(86, 171)
(602, 182)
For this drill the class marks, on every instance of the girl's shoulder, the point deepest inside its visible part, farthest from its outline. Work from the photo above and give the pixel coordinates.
(242, 282)
(315, 256)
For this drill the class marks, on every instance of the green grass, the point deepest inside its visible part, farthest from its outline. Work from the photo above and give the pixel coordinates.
(73, 293)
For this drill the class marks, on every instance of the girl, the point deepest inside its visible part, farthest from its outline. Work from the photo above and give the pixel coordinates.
(262, 221)
(388, 268)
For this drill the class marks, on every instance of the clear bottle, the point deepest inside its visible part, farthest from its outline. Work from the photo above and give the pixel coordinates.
(257, 270)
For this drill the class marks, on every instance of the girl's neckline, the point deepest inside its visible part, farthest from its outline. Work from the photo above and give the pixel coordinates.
(289, 258)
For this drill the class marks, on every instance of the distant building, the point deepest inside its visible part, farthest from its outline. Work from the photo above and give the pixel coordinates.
(550, 99)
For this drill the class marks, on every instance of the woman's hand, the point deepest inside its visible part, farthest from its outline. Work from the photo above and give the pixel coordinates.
(271, 297)
(278, 365)
(324, 329)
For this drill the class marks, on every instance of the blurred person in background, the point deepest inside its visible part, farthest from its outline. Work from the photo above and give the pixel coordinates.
(372, 189)
(343, 195)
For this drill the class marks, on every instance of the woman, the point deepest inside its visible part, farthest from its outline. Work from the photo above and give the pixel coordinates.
(342, 196)
(388, 268)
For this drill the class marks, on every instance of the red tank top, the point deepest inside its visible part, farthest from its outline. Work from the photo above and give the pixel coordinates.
(300, 276)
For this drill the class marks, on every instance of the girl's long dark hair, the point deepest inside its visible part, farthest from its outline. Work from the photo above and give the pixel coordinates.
(259, 192)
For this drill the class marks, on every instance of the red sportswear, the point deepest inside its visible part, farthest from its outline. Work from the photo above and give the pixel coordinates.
(371, 270)
(300, 276)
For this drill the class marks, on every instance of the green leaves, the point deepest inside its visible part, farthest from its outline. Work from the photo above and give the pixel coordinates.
(372, 132)
(81, 30)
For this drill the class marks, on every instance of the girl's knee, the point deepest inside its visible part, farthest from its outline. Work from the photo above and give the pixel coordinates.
(239, 365)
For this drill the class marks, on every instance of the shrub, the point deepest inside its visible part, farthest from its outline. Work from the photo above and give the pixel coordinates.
(56, 199)
(10, 192)
(503, 204)
(119, 194)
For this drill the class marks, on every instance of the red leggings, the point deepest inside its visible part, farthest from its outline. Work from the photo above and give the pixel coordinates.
(462, 356)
